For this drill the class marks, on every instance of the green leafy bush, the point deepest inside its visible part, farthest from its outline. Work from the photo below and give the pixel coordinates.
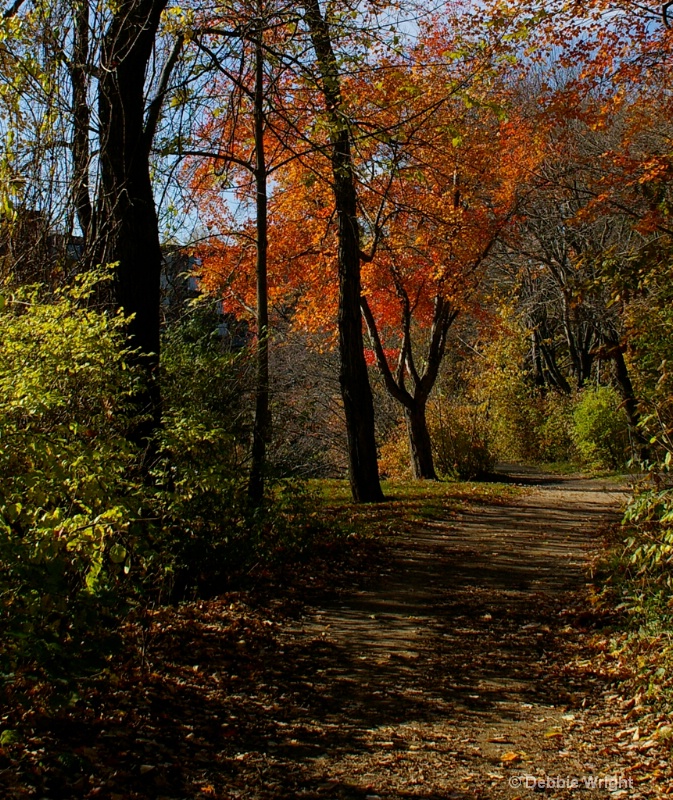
(67, 498)
(648, 517)
(639, 583)
(84, 533)
(203, 445)
(600, 430)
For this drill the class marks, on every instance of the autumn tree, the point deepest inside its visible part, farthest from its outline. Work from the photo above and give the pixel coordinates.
(431, 193)
(445, 183)
(324, 128)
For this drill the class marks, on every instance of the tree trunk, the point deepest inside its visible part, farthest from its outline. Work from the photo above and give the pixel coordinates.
(354, 379)
(127, 229)
(420, 446)
(629, 403)
(81, 119)
(536, 360)
(262, 424)
(556, 377)
(586, 361)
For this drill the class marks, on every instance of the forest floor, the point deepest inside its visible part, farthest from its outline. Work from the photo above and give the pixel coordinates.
(460, 658)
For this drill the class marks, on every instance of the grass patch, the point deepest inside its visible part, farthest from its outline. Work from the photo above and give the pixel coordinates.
(578, 470)
(407, 503)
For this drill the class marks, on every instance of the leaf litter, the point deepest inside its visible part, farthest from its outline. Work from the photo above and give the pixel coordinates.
(427, 667)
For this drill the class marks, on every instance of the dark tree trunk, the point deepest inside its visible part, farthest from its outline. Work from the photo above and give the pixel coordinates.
(414, 401)
(553, 374)
(81, 119)
(127, 230)
(629, 403)
(420, 445)
(586, 360)
(262, 424)
(536, 360)
(353, 377)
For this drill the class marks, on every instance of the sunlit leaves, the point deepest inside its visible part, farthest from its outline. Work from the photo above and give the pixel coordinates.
(66, 490)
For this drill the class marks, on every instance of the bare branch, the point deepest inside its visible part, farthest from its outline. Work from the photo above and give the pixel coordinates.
(397, 391)
(154, 109)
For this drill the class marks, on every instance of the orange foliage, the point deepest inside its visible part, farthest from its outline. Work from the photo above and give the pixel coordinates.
(440, 159)
(604, 64)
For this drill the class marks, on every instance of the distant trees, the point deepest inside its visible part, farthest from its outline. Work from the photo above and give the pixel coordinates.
(597, 207)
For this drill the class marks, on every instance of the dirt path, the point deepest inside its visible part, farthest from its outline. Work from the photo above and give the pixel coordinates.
(450, 677)
(461, 670)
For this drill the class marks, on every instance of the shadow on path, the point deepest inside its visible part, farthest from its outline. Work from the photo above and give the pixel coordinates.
(417, 685)
(456, 654)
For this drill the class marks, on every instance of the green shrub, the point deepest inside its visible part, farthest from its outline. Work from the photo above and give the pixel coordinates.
(203, 444)
(639, 582)
(67, 498)
(648, 553)
(600, 430)
(84, 533)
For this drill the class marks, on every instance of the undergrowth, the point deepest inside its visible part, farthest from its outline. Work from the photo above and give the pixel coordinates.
(86, 535)
(639, 585)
